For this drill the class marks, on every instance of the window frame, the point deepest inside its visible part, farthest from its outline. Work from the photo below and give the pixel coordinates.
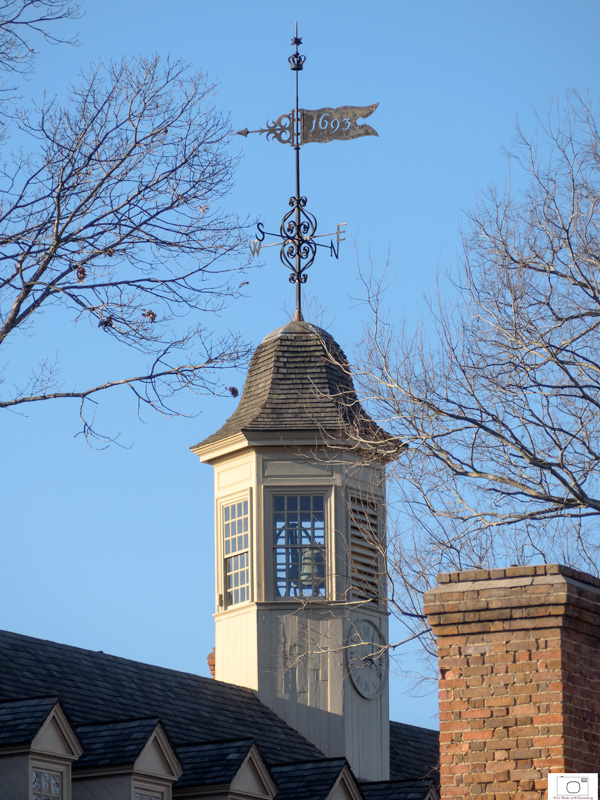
(49, 766)
(223, 557)
(327, 493)
(150, 791)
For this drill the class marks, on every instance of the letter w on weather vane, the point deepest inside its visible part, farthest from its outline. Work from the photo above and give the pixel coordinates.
(298, 229)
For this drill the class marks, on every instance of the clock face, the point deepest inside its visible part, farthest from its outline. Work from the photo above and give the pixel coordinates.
(366, 659)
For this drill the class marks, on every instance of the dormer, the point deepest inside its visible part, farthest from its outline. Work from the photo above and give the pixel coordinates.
(37, 747)
(229, 770)
(325, 780)
(125, 760)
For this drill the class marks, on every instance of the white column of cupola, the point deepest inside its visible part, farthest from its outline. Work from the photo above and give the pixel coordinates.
(300, 608)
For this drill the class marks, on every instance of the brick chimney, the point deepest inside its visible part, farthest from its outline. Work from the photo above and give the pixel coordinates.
(211, 660)
(519, 660)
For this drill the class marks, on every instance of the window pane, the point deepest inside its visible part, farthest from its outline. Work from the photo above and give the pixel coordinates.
(279, 520)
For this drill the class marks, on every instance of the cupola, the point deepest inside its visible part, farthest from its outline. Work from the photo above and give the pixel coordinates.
(299, 543)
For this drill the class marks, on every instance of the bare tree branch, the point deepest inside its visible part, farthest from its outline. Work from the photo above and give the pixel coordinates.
(496, 395)
(23, 22)
(22, 19)
(113, 218)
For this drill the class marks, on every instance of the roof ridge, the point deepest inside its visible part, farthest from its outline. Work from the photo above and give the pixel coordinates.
(415, 727)
(123, 659)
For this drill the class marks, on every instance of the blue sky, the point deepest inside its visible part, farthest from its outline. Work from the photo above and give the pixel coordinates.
(112, 550)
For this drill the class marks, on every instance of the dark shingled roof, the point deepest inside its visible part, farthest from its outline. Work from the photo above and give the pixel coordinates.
(397, 790)
(298, 380)
(211, 764)
(20, 720)
(113, 743)
(94, 687)
(115, 704)
(414, 753)
(307, 781)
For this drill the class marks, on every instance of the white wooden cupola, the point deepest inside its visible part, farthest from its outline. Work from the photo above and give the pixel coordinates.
(300, 551)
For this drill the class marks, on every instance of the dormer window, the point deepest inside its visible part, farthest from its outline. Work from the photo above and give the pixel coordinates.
(46, 785)
(299, 540)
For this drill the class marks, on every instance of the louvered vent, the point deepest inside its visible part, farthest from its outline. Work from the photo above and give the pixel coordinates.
(365, 560)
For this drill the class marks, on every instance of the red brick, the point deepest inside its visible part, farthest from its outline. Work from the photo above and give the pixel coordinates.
(521, 688)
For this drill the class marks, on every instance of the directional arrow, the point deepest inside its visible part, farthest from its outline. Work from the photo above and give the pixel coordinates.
(282, 129)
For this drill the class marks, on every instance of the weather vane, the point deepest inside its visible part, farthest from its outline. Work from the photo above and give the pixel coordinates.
(298, 229)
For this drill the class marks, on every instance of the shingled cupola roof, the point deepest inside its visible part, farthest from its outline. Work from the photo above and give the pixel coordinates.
(298, 380)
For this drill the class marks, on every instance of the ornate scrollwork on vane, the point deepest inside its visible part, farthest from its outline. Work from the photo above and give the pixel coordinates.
(281, 129)
(298, 228)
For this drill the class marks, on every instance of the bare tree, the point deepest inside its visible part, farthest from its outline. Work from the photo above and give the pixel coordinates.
(497, 395)
(113, 218)
(21, 23)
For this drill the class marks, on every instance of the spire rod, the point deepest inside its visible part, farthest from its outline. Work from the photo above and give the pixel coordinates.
(299, 231)
(297, 235)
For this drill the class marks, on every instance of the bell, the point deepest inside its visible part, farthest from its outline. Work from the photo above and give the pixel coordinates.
(312, 572)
